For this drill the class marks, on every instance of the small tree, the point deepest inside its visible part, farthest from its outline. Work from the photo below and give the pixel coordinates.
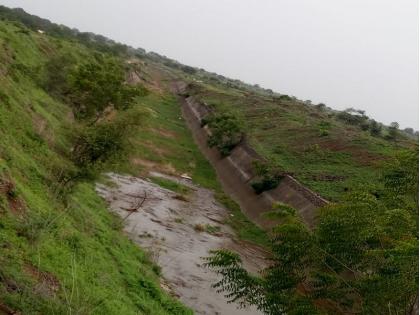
(96, 144)
(352, 116)
(275, 291)
(375, 128)
(362, 256)
(189, 69)
(393, 131)
(227, 132)
(99, 84)
(321, 106)
(409, 131)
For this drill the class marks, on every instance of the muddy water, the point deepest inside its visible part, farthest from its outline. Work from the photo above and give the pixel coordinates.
(167, 228)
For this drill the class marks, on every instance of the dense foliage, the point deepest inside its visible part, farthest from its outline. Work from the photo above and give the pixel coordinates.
(99, 84)
(362, 258)
(226, 132)
(96, 144)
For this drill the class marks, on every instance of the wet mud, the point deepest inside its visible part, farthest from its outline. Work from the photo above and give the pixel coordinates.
(178, 233)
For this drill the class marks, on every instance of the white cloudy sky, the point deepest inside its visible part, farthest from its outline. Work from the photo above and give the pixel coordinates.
(359, 53)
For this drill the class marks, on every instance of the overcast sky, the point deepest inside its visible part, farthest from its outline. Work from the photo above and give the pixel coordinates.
(358, 53)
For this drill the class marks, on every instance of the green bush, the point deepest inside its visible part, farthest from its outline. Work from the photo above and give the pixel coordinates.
(99, 84)
(375, 128)
(96, 144)
(188, 69)
(269, 176)
(365, 126)
(227, 132)
(393, 131)
(323, 128)
(57, 70)
(283, 97)
(351, 119)
(321, 106)
(373, 240)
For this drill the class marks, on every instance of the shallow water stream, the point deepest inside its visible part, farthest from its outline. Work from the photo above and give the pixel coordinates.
(176, 234)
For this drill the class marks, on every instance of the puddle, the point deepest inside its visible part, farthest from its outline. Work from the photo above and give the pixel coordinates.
(178, 234)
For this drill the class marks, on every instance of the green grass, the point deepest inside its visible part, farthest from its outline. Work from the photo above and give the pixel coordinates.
(61, 250)
(166, 141)
(208, 228)
(171, 185)
(212, 229)
(183, 156)
(324, 153)
(244, 228)
(59, 253)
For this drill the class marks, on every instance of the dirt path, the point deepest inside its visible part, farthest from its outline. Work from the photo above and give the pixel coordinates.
(178, 234)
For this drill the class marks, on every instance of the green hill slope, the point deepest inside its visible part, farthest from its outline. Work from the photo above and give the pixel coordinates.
(61, 251)
(64, 109)
(331, 152)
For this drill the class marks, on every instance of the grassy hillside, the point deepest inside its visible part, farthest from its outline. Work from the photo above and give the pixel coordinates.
(60, 251)
(64, 109)
(325, 149)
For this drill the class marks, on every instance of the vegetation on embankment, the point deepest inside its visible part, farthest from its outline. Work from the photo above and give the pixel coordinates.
(61, 251)
(358, 259)
(165, 144)
(329, 151)
(362, 258)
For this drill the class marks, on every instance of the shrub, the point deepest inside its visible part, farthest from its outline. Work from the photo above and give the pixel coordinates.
(96, 144)
(393, 131)
(283, 97)
(57, 71)
(350, 118)
(323, 128)
(354, 117)
(99, 84)
(409, 131)
(321, 107)
(375, 128)
(188, 69)
(364, 237)
(269, 177)
(227, 132)
(365, 126)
